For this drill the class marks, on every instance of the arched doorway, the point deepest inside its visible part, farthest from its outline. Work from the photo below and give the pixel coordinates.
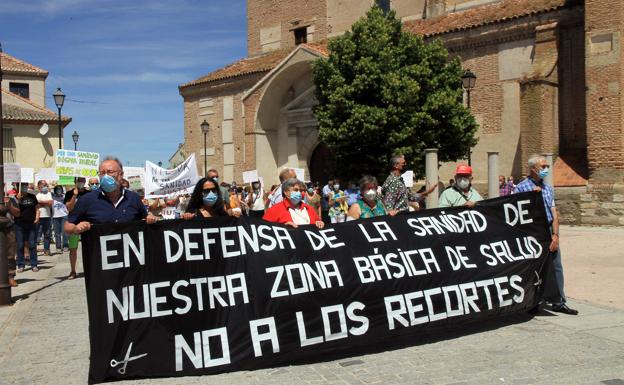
(319, 164)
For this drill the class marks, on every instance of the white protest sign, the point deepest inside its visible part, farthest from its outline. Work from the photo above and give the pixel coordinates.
(300, 173)
(47, 174)
(27, 175)
(250, 176)
(12, 172)
(161, 182)
(77, 163)
(408, 178)
(136, 177)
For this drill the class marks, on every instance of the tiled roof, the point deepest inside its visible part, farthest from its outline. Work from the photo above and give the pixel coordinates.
(11, 64)
(479, 16)
(33, 113)
(254, 64)
(244, 66)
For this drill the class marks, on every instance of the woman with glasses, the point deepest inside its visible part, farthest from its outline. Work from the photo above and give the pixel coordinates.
(206, 201)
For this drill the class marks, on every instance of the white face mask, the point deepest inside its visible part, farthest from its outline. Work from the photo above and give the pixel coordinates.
(336, 186)
(463, 183)
(370, 195)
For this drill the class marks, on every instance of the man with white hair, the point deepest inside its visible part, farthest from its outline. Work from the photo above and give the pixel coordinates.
(539, 169)
(276, 196)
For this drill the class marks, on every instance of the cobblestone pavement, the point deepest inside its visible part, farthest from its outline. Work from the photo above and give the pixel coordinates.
(44, 340)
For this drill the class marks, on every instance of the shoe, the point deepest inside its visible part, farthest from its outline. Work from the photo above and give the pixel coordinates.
(35, 269)
(20, 269)
(12, 282)
(563, 308)
(65, 249)
(72, 275)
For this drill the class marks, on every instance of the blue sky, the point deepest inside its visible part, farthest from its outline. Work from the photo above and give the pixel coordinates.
(120, 61)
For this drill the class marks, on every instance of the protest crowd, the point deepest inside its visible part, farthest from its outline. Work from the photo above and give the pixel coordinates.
(58, 214)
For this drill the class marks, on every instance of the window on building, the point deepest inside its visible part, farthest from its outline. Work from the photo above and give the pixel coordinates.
(20, 89)
(9, 145)
(301, 35)
(384, 5)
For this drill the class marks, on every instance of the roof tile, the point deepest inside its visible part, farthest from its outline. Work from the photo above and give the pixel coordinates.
(479, 16)
(34, 113)
(12, 64)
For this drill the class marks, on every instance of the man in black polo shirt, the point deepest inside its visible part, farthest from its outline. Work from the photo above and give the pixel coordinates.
(110, 203)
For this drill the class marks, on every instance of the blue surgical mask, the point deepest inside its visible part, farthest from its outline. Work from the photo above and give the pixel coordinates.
(108, 183)
(44, 190)
(295, 197)
(210, 199)
(543, 173)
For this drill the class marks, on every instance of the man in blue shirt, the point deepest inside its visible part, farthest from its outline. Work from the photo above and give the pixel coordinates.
(110, 203)
(539, 169)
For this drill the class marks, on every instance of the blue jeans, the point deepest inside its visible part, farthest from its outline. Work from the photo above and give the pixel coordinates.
(59, 235)
(25, 232)
(45, 224)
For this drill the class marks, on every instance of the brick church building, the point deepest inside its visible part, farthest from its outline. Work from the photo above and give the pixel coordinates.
(549, 80)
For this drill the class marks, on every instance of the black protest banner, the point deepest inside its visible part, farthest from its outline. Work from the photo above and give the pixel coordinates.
(199, 297)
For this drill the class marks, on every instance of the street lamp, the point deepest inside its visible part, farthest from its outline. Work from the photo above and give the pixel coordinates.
(75, 137)
(205, 126)
(469, 80)
(59, 100)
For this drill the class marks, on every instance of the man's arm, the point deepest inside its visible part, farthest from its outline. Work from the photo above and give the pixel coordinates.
(554, 245)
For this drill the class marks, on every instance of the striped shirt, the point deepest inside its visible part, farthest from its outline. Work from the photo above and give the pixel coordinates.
(548, 194)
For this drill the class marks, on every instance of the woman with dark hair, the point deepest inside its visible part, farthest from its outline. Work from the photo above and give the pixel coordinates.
(206, 201)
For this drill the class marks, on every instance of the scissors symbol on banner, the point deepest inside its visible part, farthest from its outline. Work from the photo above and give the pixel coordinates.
(539, 280)
(127, 359)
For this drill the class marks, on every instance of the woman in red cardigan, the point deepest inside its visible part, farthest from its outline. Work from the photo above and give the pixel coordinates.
(291, 210)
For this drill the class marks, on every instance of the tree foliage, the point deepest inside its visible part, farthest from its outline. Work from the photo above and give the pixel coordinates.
(383, 91)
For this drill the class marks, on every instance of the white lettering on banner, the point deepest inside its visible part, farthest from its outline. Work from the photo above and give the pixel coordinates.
(321, 273)
(378, 267)
(409, 310)
(381, 228)
(270, 335)
(469, 221)
(200, 355)
(127, 244)
(458, 259)
(223, 291)
(513, 214)
(324, 239)
(194, 244)
(500, 252)
(360, 328)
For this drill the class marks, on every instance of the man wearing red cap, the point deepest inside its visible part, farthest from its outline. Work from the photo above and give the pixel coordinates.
(461, 193)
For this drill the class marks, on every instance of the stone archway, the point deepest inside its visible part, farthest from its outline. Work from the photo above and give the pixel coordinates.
(319, 164)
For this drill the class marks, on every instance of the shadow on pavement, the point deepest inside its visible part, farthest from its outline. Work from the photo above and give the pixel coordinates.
(26, 295)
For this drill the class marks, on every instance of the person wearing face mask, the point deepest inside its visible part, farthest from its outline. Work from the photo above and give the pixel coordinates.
(59, 216)
(94, 184)
(313, 198)
(110, 203)
(462, 193)
(25, 228)
(214, 174)
(277, 195)
(395, 194)
(44, 226)
(292, 211)
(255, 200)
(370, 205)
(72, 197)
(206, 201)
(539, 169)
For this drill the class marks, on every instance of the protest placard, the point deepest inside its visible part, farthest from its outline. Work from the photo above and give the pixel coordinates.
(161, 182)
(250, 176)
(201, 297)
(47, 174)
(12, 172)
(408, 178)
(76, 163)
(27, 175)
(300, 174)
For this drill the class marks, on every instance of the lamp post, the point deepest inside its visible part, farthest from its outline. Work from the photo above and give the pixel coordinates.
(75, 137)
(205, 126)
(59, 100)
(5, 288)
(468, 82)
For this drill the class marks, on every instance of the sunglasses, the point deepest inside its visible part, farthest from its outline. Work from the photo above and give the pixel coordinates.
(209, 190)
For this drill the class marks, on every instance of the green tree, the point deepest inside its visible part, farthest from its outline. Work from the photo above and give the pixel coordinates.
(384, 91)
